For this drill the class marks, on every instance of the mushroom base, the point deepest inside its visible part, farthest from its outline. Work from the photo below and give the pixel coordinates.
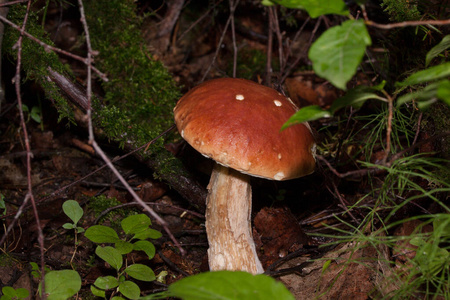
(228, 222)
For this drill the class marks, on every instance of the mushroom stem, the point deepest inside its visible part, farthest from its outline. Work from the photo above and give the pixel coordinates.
(228, 222)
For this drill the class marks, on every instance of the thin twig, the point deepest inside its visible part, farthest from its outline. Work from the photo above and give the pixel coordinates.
(419, 121)
(276, 29)
(16, 218)
(49, 47)
(408, 23)
(389, 126)
(289, 51)
(233, 35)
(17, 82)
(303, 54)
(269, 48)
(198, 20)
(13, 2)
(109, 209)
(219, 44)
(342, 201)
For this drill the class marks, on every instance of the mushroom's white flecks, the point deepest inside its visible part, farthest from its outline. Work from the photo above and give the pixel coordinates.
(182, 134)
(239, 97)
(279, 176)
(279, 156)
(277, 102)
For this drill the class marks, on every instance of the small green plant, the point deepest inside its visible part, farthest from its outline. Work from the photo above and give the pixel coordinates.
(10, 293)
(137, 232)
(36, 271)
(74, 211)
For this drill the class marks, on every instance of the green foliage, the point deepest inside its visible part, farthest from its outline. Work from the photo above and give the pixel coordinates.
(73, 210)
(140, 93)
(136, 227)
(439, 88)
(99, 204)
(10, 293)
(436, 76)
(438, 49)
(35, 59)
(250, 63)
(226, 285)
(36, 270)
(338, 51)
(355, 97)
(313, 7)
(2, 204)
(61, 285)
(401, 10)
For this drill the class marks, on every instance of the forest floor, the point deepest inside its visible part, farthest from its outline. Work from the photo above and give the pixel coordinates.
(288, 217)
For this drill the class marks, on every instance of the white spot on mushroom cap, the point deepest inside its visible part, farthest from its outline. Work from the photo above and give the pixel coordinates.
(279, 156)
(182, 134)
(277, 102)
(313, 150)
(279, 176)
(239, 97)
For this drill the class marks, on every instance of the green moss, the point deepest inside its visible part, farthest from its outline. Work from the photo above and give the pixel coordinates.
(35, 60)
(401, 10)
(140, 94)
(101, 203)
(250, 64)
(436, 119)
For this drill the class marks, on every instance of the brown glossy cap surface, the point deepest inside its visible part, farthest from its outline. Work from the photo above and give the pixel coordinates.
(237, 123)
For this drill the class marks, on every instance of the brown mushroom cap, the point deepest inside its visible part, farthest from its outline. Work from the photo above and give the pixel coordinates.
(237, 123)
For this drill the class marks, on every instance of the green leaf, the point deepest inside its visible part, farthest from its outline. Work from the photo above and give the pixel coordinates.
(443, 91)
(140, 272)
(9, 291)
(145, 246)
(337, 53)
(101, 234)
(135, 223)
(36, 114)
(61, 285)
(124, 247)
(117, 298)
(98, 292)
(2, 203)
(110, 255)
(106, 282)
(147, 234)
(130, 289)
(229, 285)
(436, 50)
(69, 226)
(326, 265)
(430, 74)
(424, 97)
(22, 293)
(314, 8)
(356, 98)
(73, 210)
(305, 114)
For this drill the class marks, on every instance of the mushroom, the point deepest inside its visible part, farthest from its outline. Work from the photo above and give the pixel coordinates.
(237, 123)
